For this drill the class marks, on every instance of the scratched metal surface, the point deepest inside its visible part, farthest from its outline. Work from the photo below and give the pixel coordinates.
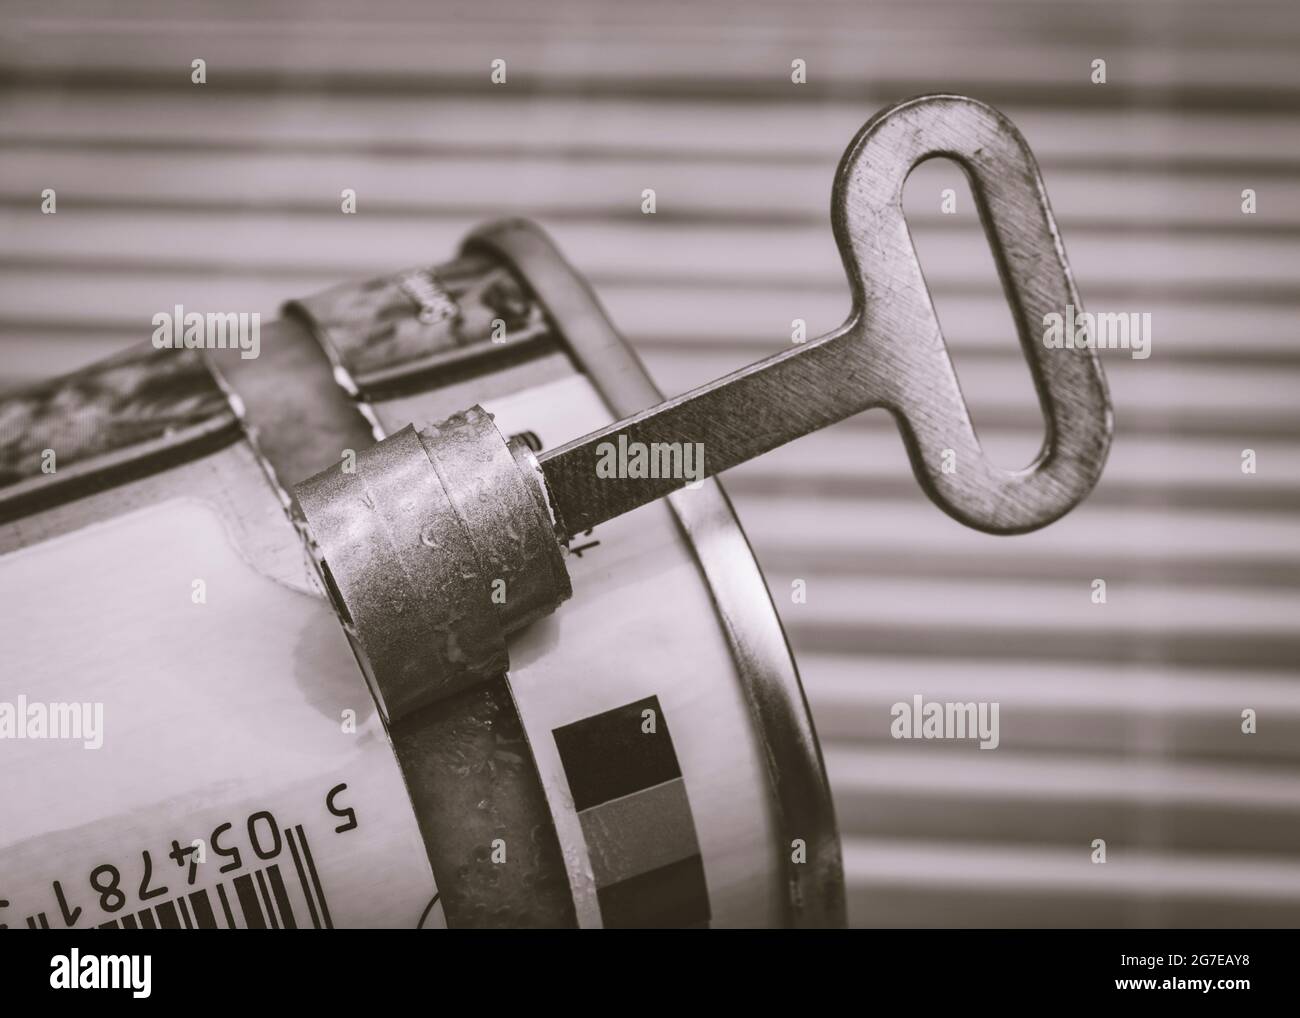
(1118, 721)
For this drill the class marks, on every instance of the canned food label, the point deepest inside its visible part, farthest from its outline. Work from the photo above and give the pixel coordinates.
(186, 741)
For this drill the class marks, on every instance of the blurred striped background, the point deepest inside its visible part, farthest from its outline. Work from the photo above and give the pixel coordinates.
(1119, 721)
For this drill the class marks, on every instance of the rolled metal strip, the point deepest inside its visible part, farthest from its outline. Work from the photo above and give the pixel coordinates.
(499, 504)
(388, 333)
(435, 547)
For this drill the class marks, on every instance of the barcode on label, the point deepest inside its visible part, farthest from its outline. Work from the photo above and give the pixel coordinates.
(269, 898)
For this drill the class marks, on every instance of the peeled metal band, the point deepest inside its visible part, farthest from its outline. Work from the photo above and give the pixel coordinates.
(439, 544)
(435, 547)
(496, 488)
(124, 418)
(387, 333)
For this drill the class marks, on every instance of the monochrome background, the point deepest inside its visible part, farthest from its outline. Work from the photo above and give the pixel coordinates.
(1118, 721)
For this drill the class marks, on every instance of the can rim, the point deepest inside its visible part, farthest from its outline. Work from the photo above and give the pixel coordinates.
(748, 617)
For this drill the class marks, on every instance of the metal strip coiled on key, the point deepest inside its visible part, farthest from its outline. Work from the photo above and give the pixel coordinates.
(435, 521)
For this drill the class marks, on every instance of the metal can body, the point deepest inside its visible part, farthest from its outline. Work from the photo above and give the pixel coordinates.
(648, 760)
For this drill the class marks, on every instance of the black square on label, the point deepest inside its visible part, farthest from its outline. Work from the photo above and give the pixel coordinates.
(670, 897)
(610, 755)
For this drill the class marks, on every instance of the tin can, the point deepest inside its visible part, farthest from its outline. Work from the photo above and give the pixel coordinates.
(186, 736)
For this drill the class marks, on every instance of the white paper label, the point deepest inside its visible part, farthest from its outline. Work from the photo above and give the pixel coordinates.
(187, 741)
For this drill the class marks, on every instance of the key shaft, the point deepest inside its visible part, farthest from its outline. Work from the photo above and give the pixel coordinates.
(703, 432)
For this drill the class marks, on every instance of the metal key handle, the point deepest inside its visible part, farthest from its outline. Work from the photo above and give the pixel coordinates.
(890, 353)
(417, 539)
